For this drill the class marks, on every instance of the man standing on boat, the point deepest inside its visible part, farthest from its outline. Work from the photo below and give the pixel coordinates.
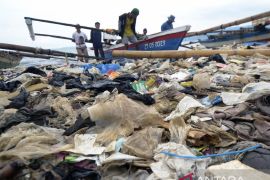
(79, 38)
(95, 38)
(168, 24)
(126, 27)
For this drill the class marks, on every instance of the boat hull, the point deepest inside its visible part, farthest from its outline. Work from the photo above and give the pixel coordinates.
(9, 61)
(167, 40)
(237, 39)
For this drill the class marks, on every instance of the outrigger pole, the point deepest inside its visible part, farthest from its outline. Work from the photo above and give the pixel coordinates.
(23, 54)
(16, 53)
(234, 23)
(53, 36)
(28, 21)
(40, 51)
(58, 37)
(64, 24)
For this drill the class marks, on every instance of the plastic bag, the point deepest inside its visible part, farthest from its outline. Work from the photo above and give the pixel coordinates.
(184, 107)
(119, 116)
(201, 81)
(143, 143)
(105, 68)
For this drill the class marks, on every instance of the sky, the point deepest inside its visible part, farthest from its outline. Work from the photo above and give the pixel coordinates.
(200, 14)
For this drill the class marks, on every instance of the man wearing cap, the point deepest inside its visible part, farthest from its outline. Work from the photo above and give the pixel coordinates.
(126, 27)
(168, 24)
(79, 38)
(95, 38)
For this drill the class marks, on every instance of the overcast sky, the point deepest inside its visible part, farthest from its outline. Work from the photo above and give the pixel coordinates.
(200, 14)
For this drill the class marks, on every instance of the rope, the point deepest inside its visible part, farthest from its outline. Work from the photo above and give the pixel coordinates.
(212, 155)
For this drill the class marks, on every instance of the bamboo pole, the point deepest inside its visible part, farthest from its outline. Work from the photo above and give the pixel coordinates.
(28, 21)
(54, 36)
(25, 54)
(33, 55)
(34, 50)
(186, 54)
(237, 22)
(64, 24)
(40, 50)
(60, 37)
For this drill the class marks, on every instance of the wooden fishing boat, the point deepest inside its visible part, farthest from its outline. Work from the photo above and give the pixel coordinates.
(243, 35)
(166, 40)
(219, 40)
(9, 60)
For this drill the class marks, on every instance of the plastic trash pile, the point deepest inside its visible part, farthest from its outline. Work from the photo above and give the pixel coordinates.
(137, 119)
